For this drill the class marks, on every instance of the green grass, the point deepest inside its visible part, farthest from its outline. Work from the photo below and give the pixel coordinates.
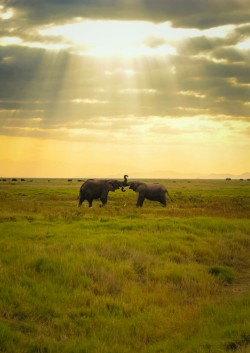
(122, 279)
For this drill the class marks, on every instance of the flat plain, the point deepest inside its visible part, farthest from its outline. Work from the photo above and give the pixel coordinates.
(122, 279)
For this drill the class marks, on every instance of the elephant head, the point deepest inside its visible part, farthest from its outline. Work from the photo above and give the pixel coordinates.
(134, 185)
(113, 185)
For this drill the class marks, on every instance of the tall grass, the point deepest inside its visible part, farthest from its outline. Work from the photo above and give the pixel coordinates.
(121, 279)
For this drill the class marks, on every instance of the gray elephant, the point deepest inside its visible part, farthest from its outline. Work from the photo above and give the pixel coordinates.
(153, 192)
(94, 189)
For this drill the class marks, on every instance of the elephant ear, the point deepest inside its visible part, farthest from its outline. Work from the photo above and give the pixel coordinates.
(112, 186)
(134, 186)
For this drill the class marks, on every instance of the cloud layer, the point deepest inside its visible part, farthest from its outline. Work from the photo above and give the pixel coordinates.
(155, 71)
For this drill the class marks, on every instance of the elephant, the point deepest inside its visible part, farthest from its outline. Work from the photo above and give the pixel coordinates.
(94, 189)
(153, 192)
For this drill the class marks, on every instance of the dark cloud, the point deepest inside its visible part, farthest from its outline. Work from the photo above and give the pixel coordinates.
(26, 67)
(230, 55)
(197, 45)
(182, 13)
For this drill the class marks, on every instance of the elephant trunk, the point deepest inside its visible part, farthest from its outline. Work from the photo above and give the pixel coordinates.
(125, 182)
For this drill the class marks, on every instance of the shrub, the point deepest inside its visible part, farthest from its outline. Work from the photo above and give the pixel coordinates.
(224, 273)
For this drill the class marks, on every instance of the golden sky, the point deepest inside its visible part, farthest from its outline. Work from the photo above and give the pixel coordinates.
(147, 88)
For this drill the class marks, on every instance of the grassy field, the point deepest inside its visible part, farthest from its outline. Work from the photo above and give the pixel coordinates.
(120, 279)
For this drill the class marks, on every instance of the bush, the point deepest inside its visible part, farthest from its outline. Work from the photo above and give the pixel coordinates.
(224, 273)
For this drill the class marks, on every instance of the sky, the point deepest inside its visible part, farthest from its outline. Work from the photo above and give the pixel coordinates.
(103, 88)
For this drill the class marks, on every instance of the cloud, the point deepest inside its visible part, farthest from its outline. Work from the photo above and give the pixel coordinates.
(182, 13)
(195, 62)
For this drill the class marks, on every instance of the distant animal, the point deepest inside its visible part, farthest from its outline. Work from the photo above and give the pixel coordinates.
(94, 189)
(152, 192)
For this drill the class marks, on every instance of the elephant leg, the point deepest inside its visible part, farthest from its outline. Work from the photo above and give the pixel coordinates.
(163, 200)
(80, 202)
(90, 202)
(104, 199)
(140, 200)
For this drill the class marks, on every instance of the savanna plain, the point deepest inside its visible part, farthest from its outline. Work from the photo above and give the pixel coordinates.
(121, 279)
